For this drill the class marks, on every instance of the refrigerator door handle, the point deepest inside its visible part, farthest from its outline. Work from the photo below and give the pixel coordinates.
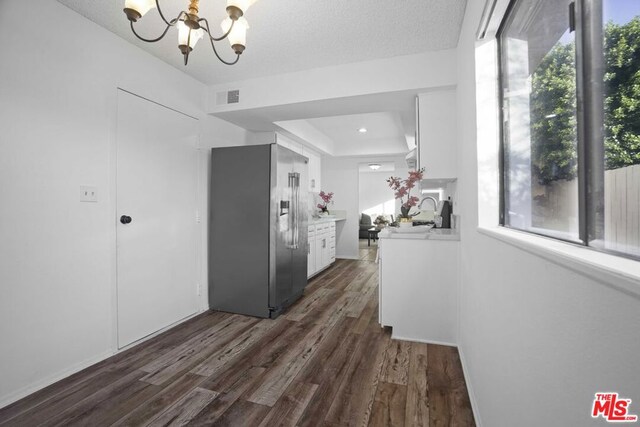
(294, 218)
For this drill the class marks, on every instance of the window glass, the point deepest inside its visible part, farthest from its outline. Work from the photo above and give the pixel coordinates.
(621, 20)
(539, 112)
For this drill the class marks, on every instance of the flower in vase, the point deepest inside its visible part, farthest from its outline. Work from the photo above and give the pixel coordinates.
(402, 191)
(327, 198)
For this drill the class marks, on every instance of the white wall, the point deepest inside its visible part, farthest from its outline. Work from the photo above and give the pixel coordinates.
(537, 338)
(341, 176)
(58, 86)
(374, 193)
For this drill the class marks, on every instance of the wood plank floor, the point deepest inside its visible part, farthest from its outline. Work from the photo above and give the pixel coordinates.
(326, 362)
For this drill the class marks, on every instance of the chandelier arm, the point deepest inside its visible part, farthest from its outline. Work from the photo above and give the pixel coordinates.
(162, 15)
(186, 55)
(213, 46)
(209, 31)
(164, 33)
(222, 60)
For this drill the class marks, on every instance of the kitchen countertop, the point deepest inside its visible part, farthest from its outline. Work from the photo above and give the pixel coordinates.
(427, 234)
(313, 221)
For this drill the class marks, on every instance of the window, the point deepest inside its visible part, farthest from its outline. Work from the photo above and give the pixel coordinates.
(570, 93)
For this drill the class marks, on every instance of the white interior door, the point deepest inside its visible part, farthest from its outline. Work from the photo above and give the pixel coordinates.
(157, 189)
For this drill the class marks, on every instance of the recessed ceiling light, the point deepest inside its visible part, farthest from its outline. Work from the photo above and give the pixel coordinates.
(362, 130)
(374, 166)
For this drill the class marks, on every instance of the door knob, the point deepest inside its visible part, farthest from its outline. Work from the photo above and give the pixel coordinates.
(125, 219)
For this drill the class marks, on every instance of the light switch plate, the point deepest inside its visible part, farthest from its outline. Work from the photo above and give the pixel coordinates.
(88, 194)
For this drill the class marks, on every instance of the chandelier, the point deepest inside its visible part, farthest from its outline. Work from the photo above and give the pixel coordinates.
(192, 28)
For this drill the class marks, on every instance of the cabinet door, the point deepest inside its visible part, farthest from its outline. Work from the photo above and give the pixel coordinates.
(311, 257)
(326, 251)
(332, 244)
(437, 151)
(320, 243)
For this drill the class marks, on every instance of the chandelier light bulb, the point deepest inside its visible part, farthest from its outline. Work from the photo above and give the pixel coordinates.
(243, 5)
(238, 35)
(136, 9)
(183, 35)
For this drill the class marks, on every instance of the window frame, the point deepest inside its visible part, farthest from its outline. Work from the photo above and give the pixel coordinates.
(586, 20)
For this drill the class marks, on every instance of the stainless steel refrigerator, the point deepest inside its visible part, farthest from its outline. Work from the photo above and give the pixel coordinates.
(258, 229)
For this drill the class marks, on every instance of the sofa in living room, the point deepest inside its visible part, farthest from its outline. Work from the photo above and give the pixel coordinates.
(365, 225)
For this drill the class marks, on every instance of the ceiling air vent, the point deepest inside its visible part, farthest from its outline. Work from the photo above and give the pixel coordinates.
(233, 97)
(230, 97)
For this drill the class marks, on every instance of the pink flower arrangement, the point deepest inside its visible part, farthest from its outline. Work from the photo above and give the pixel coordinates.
(326, 199)
(402, 190)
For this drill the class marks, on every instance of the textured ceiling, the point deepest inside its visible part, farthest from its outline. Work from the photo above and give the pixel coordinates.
(294, 35)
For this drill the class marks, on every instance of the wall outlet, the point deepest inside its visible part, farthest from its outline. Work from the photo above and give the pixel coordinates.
(199, 289)
(88, 194)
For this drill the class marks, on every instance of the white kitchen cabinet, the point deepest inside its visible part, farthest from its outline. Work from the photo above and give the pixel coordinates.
(322, 246)
(437, 134)
(315, 161)
(315, 166)
(418, 289)
(321, 253)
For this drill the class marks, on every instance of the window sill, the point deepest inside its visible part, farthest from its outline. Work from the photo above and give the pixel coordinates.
(616, 272)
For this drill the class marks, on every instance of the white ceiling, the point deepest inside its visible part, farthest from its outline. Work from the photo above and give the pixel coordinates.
(294, 35)
(385, 133)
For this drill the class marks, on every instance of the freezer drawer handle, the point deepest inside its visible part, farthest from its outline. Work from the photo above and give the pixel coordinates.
(125, 219)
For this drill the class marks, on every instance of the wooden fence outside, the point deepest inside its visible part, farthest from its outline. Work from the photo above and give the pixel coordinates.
(622, 209)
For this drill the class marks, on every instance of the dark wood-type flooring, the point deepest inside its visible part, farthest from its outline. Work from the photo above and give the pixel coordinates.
(326, 362)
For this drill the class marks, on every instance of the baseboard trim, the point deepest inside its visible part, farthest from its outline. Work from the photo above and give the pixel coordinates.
(472, 395)
(420, 340)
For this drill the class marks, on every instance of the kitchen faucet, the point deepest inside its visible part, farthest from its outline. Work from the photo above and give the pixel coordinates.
(435, 202)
